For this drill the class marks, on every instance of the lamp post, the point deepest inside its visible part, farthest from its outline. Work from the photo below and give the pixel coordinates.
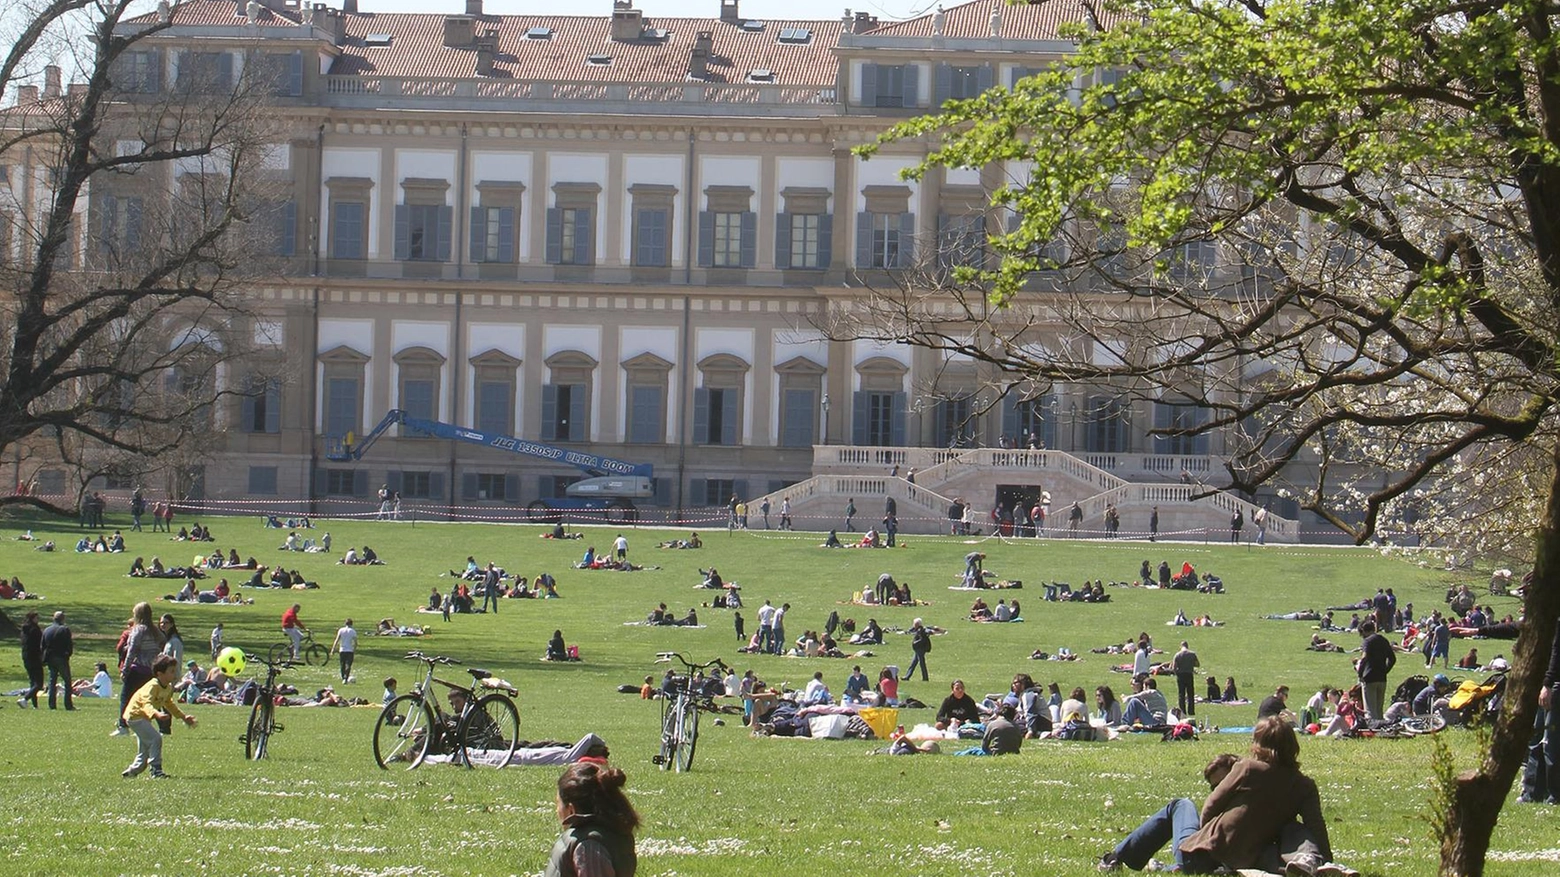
(825, 405)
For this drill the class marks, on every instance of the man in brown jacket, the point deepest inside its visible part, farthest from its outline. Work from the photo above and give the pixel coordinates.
(1248, 820)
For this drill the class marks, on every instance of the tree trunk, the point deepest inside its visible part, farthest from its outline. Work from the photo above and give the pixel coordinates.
(1480, 794)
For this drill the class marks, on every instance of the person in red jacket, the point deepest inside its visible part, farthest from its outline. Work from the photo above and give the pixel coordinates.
(293, 628)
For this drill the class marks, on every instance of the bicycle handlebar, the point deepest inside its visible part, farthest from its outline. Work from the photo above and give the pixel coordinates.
(666, 658)
(429, 659)
(285, 664)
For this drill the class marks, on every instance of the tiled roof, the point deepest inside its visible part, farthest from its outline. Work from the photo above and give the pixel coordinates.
(1034, 21)
(207, 13)
(417, 49)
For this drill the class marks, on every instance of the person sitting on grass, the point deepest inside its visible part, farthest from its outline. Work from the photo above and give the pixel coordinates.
(833, 541)
(957, 708)
(1318, 644)
(1003, 736)
(556, 650)
(1145, 705)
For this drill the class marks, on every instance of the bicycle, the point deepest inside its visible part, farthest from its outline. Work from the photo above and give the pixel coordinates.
(309, 651)
(262, 716)
(410, 725)
(680, 715)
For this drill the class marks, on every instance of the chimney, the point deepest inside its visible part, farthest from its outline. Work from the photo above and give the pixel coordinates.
(164, 12)
(487, 50)
(349, 7)
(728, 12)
(26, 94)
(628, 23)
(51, 81)
(864, 22)
(699, 58)
(474, 8)
(328, 22)
(78, 90)
(460, 31)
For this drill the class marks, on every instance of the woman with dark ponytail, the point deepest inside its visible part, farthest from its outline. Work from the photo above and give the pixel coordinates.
(598, 824)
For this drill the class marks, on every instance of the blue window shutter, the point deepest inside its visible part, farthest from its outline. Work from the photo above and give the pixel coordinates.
(663, 491)
(947, 255)
(740, 488)
(697, 487)
(749, 239)
(403, 231)
(1048, 420)
(906, 240)
(321, 481)
(549, 412)
(154, 81)
(108, 224)
(896, 427)
(436, 485)
(506, 234)
(446, 232)
(393, 480)
(360, 482)
(864, 240)
(554, 235)
(984, 78)
(577, 400)
(912, 90)
(132, 240)
(701, 416)
(294, 74)
(1010, 415)
(860, 419)
(584, 228)
(225, 70)
(825, 240)
(468, 485)
(287, 231)
(869, 85)
(728, 417)
(478, 234)
(944, 85)
(783, 241)
(1020, 73)
(248, 415)
(511, 487)
(273, 406)
(706, 238)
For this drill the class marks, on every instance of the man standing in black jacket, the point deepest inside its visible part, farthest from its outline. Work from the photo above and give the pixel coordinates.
(920, 644)
(1541, 779)
(58, 646)
(1373, 668)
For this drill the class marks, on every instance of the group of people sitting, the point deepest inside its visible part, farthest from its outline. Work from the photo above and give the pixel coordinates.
(693, 541)
(1203, 620)
(112, 545)
(294, 542)
(196, 533)
(979, 611)
(1062, 592)
(366, 557)
(887, 592)
(272, 522)
(15, 590)
(869, 539)
(219, 594)
(280, 578)
(592, 560)
(558, 532)
(661, 616)
(139, 569)
(1186, 580)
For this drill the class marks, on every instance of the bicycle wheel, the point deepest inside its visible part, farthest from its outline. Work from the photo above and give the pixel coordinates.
(315, 654)
(489, 732)
(403, 732)
(280, 652)
(670, 728)
(258, 736)
(688, 737)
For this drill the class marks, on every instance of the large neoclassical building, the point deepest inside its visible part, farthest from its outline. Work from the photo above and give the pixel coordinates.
(616, 234)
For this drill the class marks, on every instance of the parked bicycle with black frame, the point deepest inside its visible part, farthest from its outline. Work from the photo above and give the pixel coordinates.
(680, 714)
(262, 716)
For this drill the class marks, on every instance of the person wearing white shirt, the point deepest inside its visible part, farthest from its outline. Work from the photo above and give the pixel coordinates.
(732, 684)
(1140, 660)
(817, 692)
(620, 545)
(766, 627)
(1002, 612)
(779, 628)
(345, 644)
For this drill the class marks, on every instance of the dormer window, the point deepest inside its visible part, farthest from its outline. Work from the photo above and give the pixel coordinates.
(753, 26)
(761, 75)
(539, 33)
(796, 36)
(599, 60)
(378, 39)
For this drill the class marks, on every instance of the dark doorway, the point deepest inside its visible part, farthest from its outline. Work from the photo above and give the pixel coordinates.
(1013, 521)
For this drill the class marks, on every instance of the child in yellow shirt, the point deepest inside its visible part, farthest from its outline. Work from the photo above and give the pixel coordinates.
(153, 701)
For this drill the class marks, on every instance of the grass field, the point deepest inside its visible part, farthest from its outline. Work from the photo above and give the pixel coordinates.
(319, 805)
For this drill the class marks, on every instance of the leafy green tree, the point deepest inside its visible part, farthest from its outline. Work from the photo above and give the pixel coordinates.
(1332, 226)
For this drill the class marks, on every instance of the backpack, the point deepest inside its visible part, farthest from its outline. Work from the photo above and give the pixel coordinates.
(246, 693)
(1076, 729)
(1409, 688)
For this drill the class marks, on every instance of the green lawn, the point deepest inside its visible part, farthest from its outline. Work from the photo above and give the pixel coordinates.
(319, 805)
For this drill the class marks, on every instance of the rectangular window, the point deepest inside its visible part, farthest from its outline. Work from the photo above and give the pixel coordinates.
(262, 480)
(804, 241)
(880, 418)
(206, 72)
(570, 235)
(490, 485)
(417, 398)
(1106, 423)
(341, 407)
(121, 226)
(718, 491)
(1180, 416)
(493, 234)
(422, 232)
(798, 418)
(728, 240)
(1193, 261)
(716, 412)
(346, 230)
(51, 482)
(954, 427)
(417, 485)
(563, 412)
(965, 82)
(340, 482)
(119, 480)
(263, 408)
(139, 72)
(645, 415)
(962, 241)
(650, 245)
(493, 407)
(891, 86)
(885, 240)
